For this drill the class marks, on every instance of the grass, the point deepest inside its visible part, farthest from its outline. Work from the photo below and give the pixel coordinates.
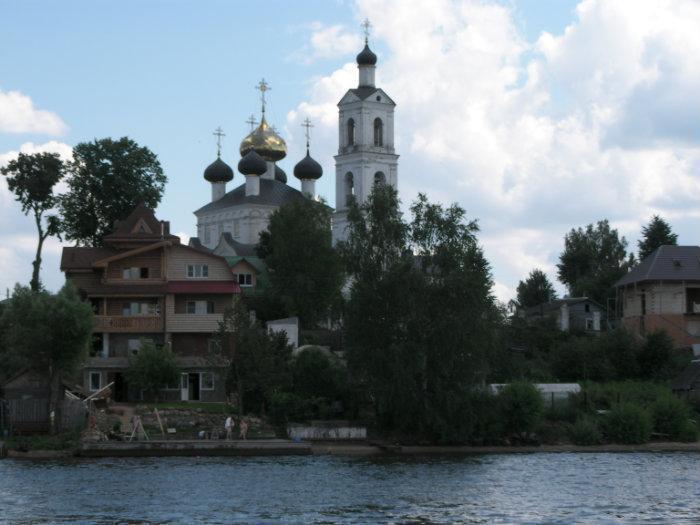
(208, 408)
(65, 441)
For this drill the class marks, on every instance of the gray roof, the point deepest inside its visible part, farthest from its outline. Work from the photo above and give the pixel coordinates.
(666, 263)
(365, 92)
(555, 305)
(272, 193)
(238, 247)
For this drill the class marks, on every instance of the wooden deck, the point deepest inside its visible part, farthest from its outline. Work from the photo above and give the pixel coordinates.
(254, 447)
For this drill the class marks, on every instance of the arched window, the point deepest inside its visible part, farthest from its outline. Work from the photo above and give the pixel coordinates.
(351, 132)
(379, 178)
(378, 132)
(349, 188)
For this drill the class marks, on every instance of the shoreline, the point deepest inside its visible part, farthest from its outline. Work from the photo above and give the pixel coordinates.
(322, 448)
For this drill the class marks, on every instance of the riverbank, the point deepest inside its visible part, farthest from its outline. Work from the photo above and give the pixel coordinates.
(285, 447)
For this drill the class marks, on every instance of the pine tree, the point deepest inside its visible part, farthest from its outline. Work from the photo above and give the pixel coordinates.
(536, 289)
(657, 233)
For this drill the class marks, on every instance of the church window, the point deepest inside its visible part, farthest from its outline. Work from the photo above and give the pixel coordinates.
(378, 132)
(207, 236)
(236, 229)
(379, 178)
(349, 188)
(351, 132)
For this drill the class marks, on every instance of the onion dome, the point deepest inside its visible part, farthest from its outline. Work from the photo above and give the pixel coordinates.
(308, 169)
(366, 57)
(252, 164)
(218, 171)
(280, 175)
(266, 143)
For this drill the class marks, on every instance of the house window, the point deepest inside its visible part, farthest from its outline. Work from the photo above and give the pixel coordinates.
(351, 132)
(197, 270)
(140, 308)
(587, 308)
(206, 381)
(200, 307)
(95, 381)
(589, 324)
(135, 273)
(244, 279)
(144, 273)
(378, 132)
(213, 346)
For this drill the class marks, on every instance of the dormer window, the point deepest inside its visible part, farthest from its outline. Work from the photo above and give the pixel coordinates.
(197, 271)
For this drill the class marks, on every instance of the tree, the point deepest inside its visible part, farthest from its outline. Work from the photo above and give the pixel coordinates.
(593, 260)
(153, 368)
(657, 233)
(521, 408)
(49, 333)
(305, 270)
(420, 316)
(32, 179)
(314, 374)
(257, 361)
(536, 289)
(107, 180)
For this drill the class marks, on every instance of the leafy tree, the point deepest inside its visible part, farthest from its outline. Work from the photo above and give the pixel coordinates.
(593, 260)
(315, 375)
(32, 179)
(417, 325)
(153, 368)
(656, 356)
(107, 180)
(257, 361)
(657, 233)
(49, 333)
(305, 270)
(520, 409)
(536, 289)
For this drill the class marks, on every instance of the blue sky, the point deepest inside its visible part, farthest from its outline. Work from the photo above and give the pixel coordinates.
(166, 73)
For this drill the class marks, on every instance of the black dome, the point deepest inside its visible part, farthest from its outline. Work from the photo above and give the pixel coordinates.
(307, 168)
(252, 164)
(218, 171)
(280, 175)
(366, 57)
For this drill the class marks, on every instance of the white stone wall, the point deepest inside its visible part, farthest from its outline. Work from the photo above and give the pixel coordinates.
(244, 223)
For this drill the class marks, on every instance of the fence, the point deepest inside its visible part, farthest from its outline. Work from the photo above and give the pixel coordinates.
(32, 415)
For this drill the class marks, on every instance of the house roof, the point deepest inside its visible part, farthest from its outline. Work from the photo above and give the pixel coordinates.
(80, 257)
(272, 193)
(246, 250)
(141, 225)
(688, 377)
(666, 263)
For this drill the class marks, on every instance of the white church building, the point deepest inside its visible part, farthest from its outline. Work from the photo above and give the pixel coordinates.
(230, 225)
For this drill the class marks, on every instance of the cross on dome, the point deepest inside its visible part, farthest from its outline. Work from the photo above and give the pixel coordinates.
(263, 87)
(366, 24)
(251, 122)
(218, 133)
(308, 125)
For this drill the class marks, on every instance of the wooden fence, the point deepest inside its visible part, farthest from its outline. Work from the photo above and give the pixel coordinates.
(32, 415)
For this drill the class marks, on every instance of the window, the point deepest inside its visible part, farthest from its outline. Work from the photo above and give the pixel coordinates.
(191, 307)
(207, 236)
(135, 273)
(95, 304)
(378, 132)
(587, 308)
(236, 229)
(351, 132)
(349, 188)
(379, 178)
(135, 308)
(206, 381)
(589, 324)
(95, 381)
(197, 270)
(244, 279)
(213, 346)
(199, 307)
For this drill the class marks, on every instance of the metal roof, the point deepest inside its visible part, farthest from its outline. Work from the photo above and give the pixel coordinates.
(666, 263)
(272, 193)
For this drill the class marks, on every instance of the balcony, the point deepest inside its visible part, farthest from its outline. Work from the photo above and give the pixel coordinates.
(206, 323)
(128, 323)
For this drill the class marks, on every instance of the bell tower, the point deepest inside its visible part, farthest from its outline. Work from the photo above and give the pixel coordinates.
(366, 141)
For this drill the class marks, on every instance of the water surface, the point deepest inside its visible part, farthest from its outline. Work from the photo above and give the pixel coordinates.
(519, 488)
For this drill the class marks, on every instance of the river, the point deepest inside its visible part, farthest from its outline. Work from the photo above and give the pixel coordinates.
(514, 488)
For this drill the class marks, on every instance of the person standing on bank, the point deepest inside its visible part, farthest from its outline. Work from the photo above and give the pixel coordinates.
(243, 425)
(229, 428)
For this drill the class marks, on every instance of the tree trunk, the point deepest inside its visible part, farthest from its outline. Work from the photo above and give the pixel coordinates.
(35, 283)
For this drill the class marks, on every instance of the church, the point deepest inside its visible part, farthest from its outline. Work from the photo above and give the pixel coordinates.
(231, 223)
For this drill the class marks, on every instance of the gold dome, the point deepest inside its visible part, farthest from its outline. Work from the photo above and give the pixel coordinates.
(266, 143)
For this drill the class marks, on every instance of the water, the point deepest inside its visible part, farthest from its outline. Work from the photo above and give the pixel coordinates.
(521, 488)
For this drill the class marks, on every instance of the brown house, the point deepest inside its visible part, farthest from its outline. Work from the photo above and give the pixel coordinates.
(663, 293)
(144, 285)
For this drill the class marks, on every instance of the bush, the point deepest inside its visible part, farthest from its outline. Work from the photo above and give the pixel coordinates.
(585, 431)
(627, 423)
(520, 408)
(286, 407)
(314, 374)
(689, 432)
(670, 416)
(656, 356)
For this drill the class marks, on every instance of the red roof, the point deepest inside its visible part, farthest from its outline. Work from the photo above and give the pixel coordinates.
(203, 287)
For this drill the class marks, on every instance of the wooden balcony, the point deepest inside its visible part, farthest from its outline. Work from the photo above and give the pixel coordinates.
(128, 323)
(207, 323)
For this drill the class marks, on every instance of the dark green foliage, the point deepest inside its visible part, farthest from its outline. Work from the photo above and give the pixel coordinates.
(153, 368)
(521, 409)
(417, 328)
(689, 433)
(536, 289)
(585, 432)
(628, 424)
(656, 359)
(47, 332)
(581, 358)
(593, 260)
(314, 374)
(670, 416)
(257, 361)
(657, 233)
(622, 349)
(32, 179)
(107, 180)
(305, 270)
(286, 407)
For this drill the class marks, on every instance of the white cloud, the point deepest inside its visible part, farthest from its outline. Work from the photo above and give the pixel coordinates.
(332, 41)
(18, 115)
(534, 138)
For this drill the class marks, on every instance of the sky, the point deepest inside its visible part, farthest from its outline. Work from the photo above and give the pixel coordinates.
(536, 116)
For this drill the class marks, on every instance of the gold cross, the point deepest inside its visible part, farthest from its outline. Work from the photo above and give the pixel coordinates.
(263, 87)
(218, 133)
(366, 25)
(308, 125)
(252, 122)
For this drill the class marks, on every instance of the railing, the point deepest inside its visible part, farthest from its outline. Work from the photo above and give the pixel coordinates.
(128, 323)
(194, 322)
